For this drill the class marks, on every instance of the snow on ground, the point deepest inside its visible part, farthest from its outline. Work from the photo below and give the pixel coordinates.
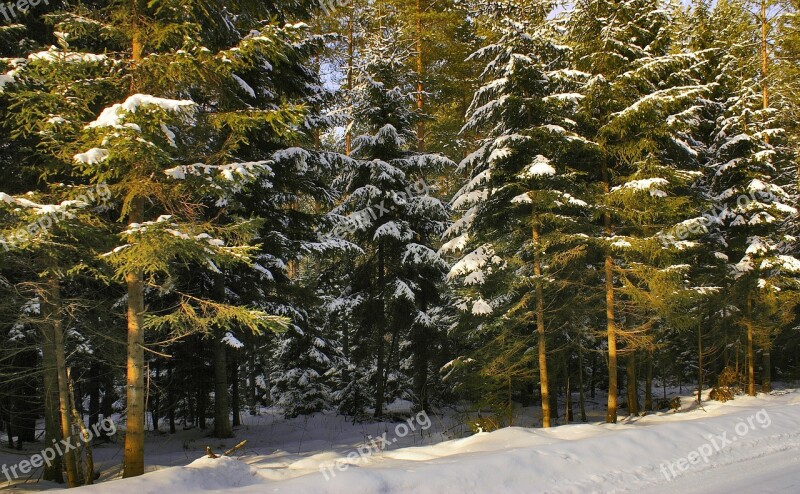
(751, 444)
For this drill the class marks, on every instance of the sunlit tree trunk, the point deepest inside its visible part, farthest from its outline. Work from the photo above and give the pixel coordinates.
(420, 88)
(537, 271)
(348, 138)
(766, 384)
(764, 58)
(135, 396)
(611, 326)
(135, 393)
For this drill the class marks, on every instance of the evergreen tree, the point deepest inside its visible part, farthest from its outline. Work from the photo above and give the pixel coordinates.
(390, 215)
(522, 206)
(637, 82)
(751, 184)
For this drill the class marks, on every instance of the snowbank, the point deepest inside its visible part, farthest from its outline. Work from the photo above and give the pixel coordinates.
(638, 453)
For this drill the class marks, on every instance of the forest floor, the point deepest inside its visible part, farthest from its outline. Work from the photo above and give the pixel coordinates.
(750, 444)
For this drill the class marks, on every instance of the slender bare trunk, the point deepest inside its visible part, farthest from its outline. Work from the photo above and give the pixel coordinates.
(52, 300)
(700, 363)
(420, 88)
(54, 471)
(52, 417)
(348, 138)
(222, 403)
(751, 368)
(633, 393)
(764, 59)
(611, 325)
(379, 335)
(648, 390)
(251, 379)
(236, 405)
(568, 412)
(537, 271)
(581, 391)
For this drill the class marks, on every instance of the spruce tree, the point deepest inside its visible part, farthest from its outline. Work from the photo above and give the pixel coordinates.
(637, 82)
(751, 184)
(522, 205)
(389, 213)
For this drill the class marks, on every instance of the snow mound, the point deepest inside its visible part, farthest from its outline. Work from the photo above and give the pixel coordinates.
(205, 474)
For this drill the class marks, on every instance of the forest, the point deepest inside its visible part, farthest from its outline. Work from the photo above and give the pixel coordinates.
(208, 208)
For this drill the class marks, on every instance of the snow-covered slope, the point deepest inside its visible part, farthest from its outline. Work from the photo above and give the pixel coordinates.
(747, 445)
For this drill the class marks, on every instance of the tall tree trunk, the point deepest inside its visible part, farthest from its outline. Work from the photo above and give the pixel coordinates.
(202, 402)
(94, 395)
(135, 397)
(133, 460)
(700, 363)
(87, 446)
(222, 422)
(379, 334)
(751, 368)
(156, 408)
(171, 402)
(52, 301)
(593, 375)
(764, 60)
(633, 394)
(537, 271)
(648, 389)
(611, 326)
(348, 137)
(766, 372)
(222, 404)
(581, 391)
(52, 417)
(420, 88)
(109, 397)
(251, 380)
(421, 361)
(568, 412)
(236, 405)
